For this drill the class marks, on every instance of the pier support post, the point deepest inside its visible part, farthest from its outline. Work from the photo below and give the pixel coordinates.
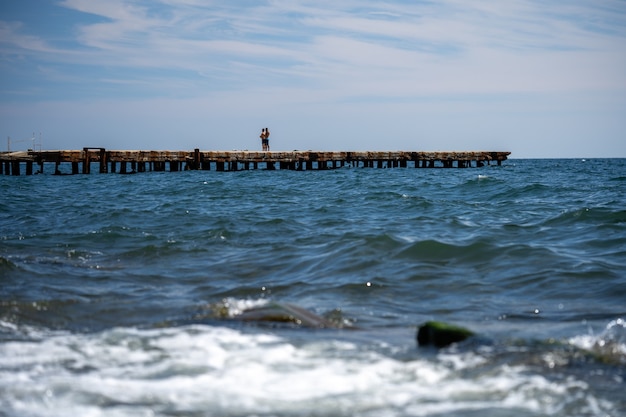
(16, 167)
(29, 167)
(103, 161)
(196, 159)
(86, 161)
(75, 168)
(113, 166)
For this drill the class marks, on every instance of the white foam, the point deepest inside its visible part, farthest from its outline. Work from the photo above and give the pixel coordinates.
(612, 341)
(233, 307)
(214, 370)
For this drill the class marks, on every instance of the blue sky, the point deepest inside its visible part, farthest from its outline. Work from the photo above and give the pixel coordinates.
(539, 79)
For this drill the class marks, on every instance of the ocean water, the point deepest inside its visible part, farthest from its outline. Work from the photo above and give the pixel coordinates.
(122, 295)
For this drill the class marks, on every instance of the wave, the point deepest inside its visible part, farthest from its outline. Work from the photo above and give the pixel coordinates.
(6, 265)
(235, 372)
(609, 346)
(597, 216)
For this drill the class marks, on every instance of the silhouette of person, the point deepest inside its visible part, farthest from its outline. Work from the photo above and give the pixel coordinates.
(262, 136)
(267, 139)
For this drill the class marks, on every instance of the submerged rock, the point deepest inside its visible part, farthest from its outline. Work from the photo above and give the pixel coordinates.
(275, 313)
(439, 334)
(285, 313)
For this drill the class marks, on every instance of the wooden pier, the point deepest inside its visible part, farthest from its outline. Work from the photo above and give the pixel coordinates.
(127, 162)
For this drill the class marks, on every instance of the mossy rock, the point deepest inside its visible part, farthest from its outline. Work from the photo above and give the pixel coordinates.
(439, 334)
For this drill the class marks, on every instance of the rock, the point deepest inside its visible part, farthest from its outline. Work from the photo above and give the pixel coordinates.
(285, 313)
(438, 334)
(273, 313)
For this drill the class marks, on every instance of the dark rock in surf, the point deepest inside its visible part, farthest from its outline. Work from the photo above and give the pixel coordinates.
(438, 334)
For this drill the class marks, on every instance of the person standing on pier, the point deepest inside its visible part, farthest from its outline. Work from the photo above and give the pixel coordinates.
(265, 142)
(262, 136)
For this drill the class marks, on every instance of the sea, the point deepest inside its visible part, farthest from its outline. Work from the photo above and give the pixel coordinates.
(126, 295)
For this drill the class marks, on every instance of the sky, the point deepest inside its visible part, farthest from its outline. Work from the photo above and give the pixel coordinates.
(539, 79)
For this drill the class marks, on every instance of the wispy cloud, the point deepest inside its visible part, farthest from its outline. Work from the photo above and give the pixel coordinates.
(408, 46)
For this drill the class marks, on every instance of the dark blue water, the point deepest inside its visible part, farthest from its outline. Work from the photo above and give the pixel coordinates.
(120, 293)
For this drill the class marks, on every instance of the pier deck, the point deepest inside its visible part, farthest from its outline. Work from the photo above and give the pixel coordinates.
(131, 161)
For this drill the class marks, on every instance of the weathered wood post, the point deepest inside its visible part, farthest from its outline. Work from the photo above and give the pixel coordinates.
(29, 167)
(16, 167)
(86, 161)
(196, 159)
(103, 161)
